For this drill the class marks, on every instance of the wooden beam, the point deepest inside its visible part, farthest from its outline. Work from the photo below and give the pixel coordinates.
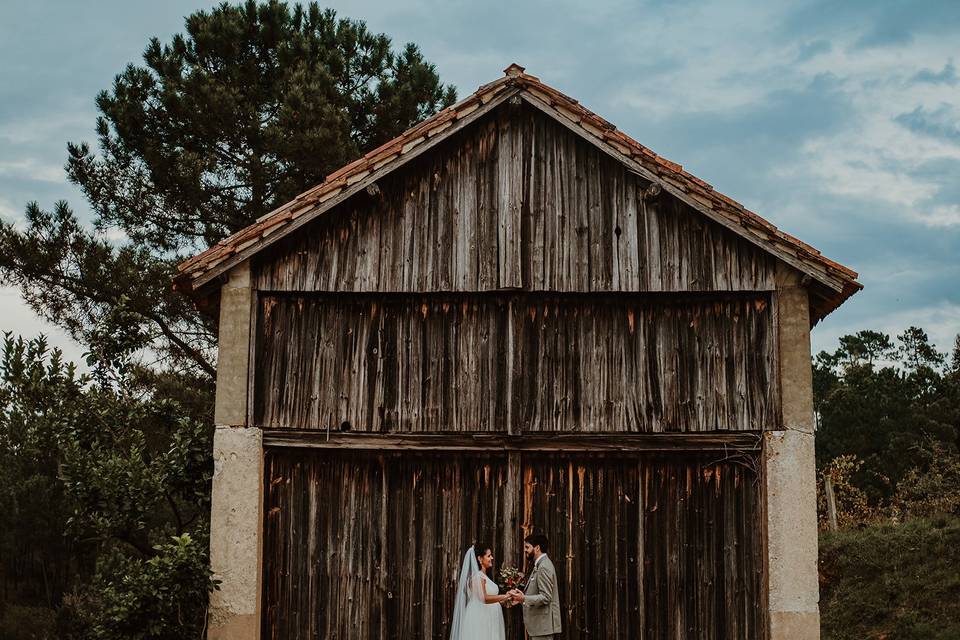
(587, 443)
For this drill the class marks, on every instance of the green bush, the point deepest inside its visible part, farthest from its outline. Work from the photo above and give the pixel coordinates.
(163, 598)
(932, 488)
(896, 582)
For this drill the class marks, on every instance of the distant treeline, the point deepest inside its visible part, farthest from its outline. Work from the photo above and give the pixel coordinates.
(888, 427)
(889, 417)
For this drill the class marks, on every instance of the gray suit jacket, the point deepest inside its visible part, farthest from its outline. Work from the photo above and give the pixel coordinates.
(541, 604)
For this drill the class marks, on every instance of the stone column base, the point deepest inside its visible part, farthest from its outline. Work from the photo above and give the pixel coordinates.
(791, 511)
(235, 533)
(794, 625)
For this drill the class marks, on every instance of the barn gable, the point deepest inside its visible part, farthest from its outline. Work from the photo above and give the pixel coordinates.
(636, 222)
(515, 201)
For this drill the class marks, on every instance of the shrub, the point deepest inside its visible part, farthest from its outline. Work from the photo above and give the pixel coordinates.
(852, 506)
(162, 598)
(934, 487)
(891, 581)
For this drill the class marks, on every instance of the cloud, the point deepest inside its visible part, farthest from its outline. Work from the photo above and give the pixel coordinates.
(942, 216)
(51, 125)
(8, 212)
(114, 235)
(743, 148)
(810, 50)
(887, 34)
(791, 108)
(31, 169)
(873, 24)
(21, 320)
(940, 320)
(851, 173)
(947, 75)
(942, 123)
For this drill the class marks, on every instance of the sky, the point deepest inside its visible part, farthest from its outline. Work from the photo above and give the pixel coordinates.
(837, 121)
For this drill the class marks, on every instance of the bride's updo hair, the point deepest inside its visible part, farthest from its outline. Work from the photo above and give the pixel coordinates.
(480, 549)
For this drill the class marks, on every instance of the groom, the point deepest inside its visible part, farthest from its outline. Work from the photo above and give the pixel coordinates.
(541, 604)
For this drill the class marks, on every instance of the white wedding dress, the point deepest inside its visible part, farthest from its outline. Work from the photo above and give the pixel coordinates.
(474, 619)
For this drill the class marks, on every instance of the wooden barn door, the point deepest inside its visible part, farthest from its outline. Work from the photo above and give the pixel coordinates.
(650, 547)
(368, 544)
(361, 545)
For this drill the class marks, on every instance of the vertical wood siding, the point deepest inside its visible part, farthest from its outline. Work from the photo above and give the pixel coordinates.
(368, 546)
(403, 364)
(515, 201)
(514, 363)
(662, 547)
(361, 546)
(513, 280)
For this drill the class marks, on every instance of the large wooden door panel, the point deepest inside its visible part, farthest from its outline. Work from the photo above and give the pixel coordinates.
(323, 553)
(369, 544)
(436, 507)
(589, 508)
(362, 545)
(650, 546)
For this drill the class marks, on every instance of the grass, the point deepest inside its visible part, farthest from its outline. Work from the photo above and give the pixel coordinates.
(892, 582)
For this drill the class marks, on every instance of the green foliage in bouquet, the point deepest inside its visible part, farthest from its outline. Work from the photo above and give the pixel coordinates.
(509, 578)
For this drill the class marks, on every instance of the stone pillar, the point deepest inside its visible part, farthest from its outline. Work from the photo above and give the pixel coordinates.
(790, 475)
(235, 512)
(236, 305)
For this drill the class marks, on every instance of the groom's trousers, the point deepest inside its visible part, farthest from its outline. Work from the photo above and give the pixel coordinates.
(550, 637)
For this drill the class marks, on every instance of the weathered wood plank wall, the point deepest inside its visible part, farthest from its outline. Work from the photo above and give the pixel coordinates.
(407, 364)
(517, 201)
(513, 281)
(368, 546)
(663, 547)
(526, 362)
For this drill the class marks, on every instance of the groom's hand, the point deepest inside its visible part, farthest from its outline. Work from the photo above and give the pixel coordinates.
(517, 595)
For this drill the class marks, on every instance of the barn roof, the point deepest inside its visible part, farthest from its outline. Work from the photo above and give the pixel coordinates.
(837, 281)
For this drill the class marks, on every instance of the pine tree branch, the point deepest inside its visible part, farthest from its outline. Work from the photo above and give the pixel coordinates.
(81, 293)
(193, 353)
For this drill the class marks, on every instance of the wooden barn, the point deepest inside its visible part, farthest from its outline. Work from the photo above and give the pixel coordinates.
(514, 317)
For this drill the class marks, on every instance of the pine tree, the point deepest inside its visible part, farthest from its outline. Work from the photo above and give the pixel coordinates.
(251, 106)
(955, 358)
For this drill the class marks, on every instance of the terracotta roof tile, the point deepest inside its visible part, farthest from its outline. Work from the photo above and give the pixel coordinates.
(728, 200)
(344, 170)
(384, 148)
(330, 193)
(697, 181)
(468, 109)
(410, 144)
(357, 176)
(385, 159)
(672, 166)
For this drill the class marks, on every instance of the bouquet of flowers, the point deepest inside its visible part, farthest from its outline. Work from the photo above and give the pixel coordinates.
(510, 578)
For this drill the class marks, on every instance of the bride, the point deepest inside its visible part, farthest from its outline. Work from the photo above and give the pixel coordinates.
(476, 611)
